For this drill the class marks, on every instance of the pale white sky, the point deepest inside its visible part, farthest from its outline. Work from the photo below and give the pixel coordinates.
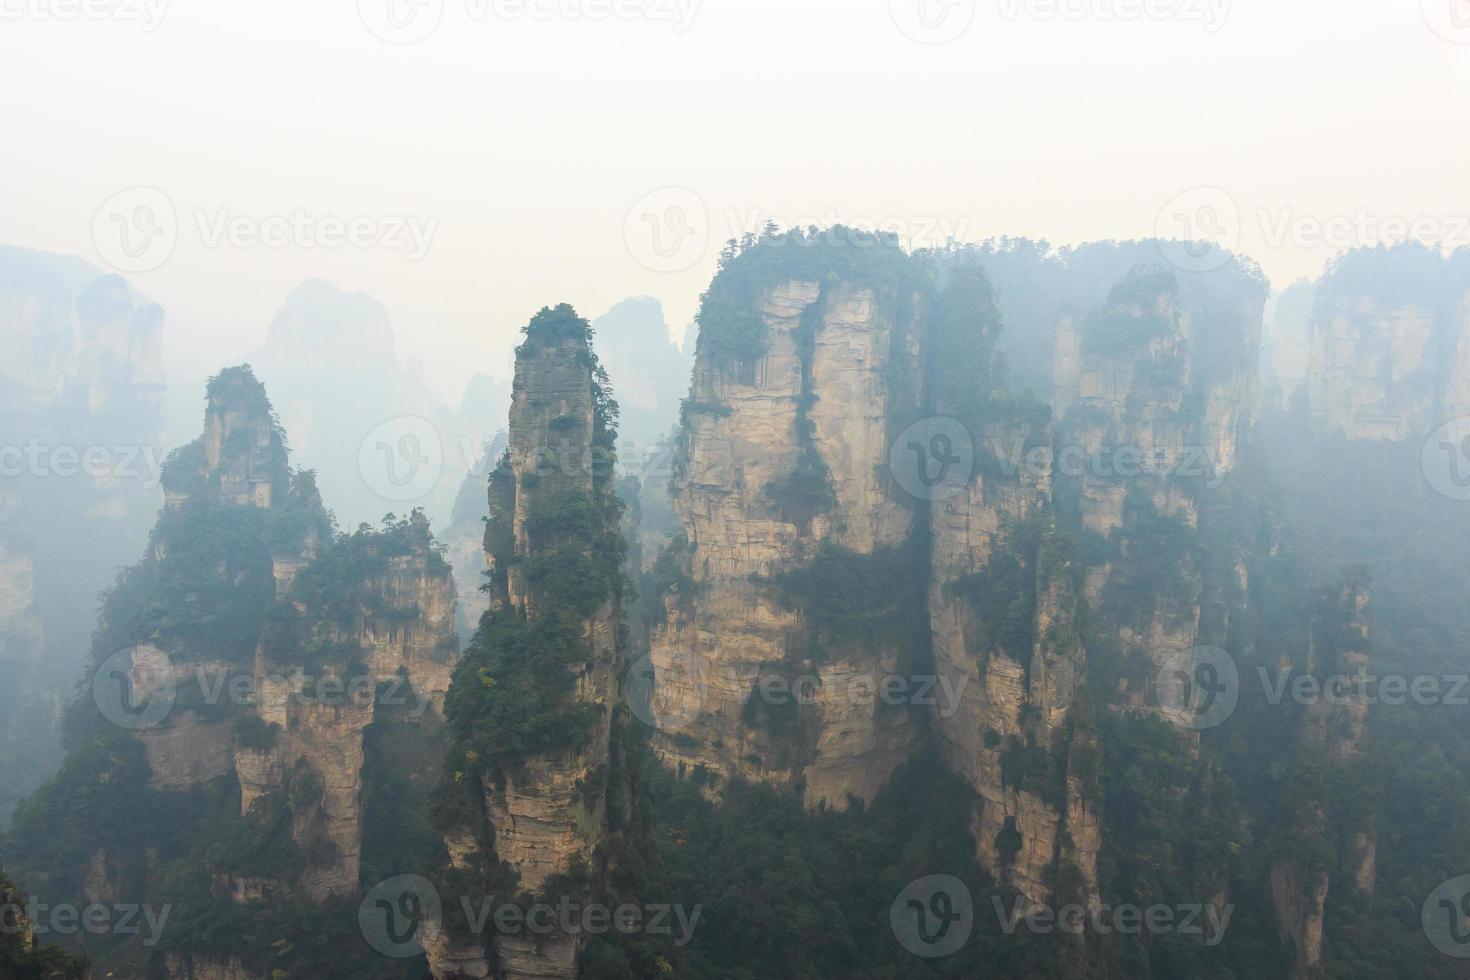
(517, 145)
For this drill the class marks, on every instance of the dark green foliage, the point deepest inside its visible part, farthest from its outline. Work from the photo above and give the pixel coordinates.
(672, 575)
(730, 325)
(1131, 318)
(851, 598)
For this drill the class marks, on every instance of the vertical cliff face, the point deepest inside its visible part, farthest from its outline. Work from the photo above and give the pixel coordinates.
(532, 707)
(1388, 344)
(80, 389)
(1332, 744)
(797, 384)
(813, 397)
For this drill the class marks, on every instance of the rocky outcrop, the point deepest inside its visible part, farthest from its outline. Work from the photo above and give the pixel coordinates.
(1152, 390)
(534, 802)
(284, 656)
(1389, 344)
(1333, 738)
(783, 454)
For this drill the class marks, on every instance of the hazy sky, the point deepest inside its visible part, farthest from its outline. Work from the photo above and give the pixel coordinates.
(520, 140)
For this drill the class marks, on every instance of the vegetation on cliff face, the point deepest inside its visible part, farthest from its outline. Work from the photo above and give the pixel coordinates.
(206, 592)
(511, 696)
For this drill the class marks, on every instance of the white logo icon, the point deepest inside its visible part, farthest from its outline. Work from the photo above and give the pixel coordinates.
(933, 459)
(932, 21)
(668, 229)
(1447, 459)
(134, 688)
(1199, 229)
(1450, 19)
(1198, 688)
(400, 21)
(395, 915)
(665, 689)
(136, 229)
(402, 459)
(933, 917)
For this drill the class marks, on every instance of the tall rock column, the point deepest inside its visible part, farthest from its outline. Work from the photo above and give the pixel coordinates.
(785, 504)
(531, 710)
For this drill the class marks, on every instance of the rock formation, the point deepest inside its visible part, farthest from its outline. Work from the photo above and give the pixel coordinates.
(284, 662)
(532, 708)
